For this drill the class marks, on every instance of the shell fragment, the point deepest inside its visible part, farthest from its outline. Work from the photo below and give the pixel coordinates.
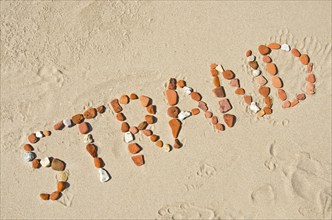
(256, 72)
(39, 134)
(187, 90)
(219, 68)
(46, 162)
(183, 115)
(251, 58)
(128, 137)
(103, 175)
(88, 139)
(285, 47)
(253, 107)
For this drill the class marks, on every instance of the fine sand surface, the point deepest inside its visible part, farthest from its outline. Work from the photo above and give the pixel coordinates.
(58, 58)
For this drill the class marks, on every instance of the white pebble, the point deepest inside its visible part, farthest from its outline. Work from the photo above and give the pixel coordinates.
(39, 134)
(128, 137)
(88, 139)
(183, 115)
(67, 122)
(62, 176)
(219, 68)
(167, 147)
(285, 47)
(187, 90)
(253, 107)
(103, 175)
(46, 162)
(251, 58)
(29, 156)
(256, 72)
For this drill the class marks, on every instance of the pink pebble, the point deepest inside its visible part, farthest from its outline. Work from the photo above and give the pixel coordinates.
(208, 114)
(260, 80)
(266, 59)
(224, 105)
(286, 104)
(301, 96)
(235, 82)
(133, 130)
(310, 88)
(309, 67)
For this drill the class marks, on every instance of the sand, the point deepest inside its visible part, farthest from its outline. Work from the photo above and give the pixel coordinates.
(60, 57)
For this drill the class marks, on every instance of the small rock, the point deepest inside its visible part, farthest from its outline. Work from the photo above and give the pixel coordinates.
(271, 68)
(87, 139)
(220, 127)
(202, 105)
(138, 159)
(120, 116)
(310, 67)
(253, 107)
(150, 119)
(219, 68)
(128, 137)
(282, 94)
(67, 122)
(167, 148)
(310, 88)
(276, 82)
(103, 175)
(247, 99)
(133, 130)
(59, 126)
(46, 162)
(187, 90)
(235, 82)
(133, 96)
(47, 133)
(228, 74)
(61, 185)
(28, 148)
(260, 80)
(214, 120)
(116, 106)
(256, 73)
(208, 114)
(35, 164)
(268, 101)
(261, 113)
(134, 148)
(274, 46)
(91, 149)
(142, 125)
(172, 97)
(62, 175)
(311, 78)
(286, 104)
(125, 127)
(172, 84)
(177, 144)
(99, 163)
(263, 49)
(264, 91)
(294, 102)
(248, 53)
(229, 120)
(159, 143)
(44, 196)
(58, 164)
(301, 96)
(39, 134)
(251, 58)
(285, 47)
(84, 128)
(267, 59)
(124, 99)
(77, 119)
(55, 195)
(214, 72)
(253, 64)
(183, 115)
(304, 59)
(175, 125)
(145, 101)
(152, 109)
(296, 53)
(90, 113)
(173, 112)
(216, 81)
(154, 138)
(181, 83)
(224, 105)
(196, 96)
(29, 156)
(240, 91)
(195, 111)
(267, 110)
(219, 92)
(101, 109)
(32, 138)
(213, 66)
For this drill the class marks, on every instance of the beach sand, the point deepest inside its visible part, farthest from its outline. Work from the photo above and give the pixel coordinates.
(60, 57)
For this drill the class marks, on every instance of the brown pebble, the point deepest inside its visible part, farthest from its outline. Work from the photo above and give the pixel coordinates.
(181, 83)
(159, 143)
(213, 66)
(32, 138)
(253, 64)
(120, 116)
(172, 97)
(36, 163)
(154, 138)
(173, 111)
(55, 195)
(216, 81)
(133, 96)
(263, 49)
(147, 132)
(92, 149)
(214, 120)
(276, 82)
(84, 128)
(311, 78)
(47, 133)
(124, 100)
(239, 91)
(264, 91)
(271, 68)
(61, 185)
(145, 101)
(247, 99)
(116, 106)
(228, 74)
(220, 127)
(301, 96)
(150, 119)
(267, 110)
(267, 59)
(274, 46)
(152, 109)
(248, 53)
(172, 84)
(59, 126)
(214, 72)
(208, 114)
(304, 59)
(99, 163)
(58, 165)
(286, 104)
(77, 119)
(44, 196)
(195, 111)
(124, 127)
(90, 113)
(133, 130)
(177, 144)
(294, 102)
(219, 92)
(229, 120)
(28, 148)
(196, 96)
(175, 125)
(134, 148)
(101, 109)
(138, 160)
(296, 53)
(202, 105)
(142, 125)
(268, 101)
(282, 94)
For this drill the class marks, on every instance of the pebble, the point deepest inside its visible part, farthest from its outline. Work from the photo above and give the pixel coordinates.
(256, 72)
(101, 109)
(228, 74)
(268, 101)
(47, 133)
(172, 97)
(282, 94)
(152, 109)
(172, 84)
(44, 196)
(224, 105)
(46, 162)
(274, 46)
(128, 137)
(145, 101)
(58, 164)
(310, 88)
(150, 119)
(103, 175)
(294, 102)
(267, 59)
(304, 59)
(175, 125)
(90, 113)
(187, 90)
(28, 147)
(35, 164)
(196, 96)
(310, 67)
(229, 120)
(235, 82)
(125, 127)
(138, 160)
(271, 68)
(133, 130)
(147, 132)
(67, 122)
(213, 66)
(159, 143)
(264, 91)
(77, 119)
(219, 92)
(134, 148)
(247, 99)
(195, 111)
(32, 138)
(62, 175)
(177, 144)
(98, 162)
(120, 116)
(285, 47)
(124, 99)
(116, 106)
(208, 114)
(251, 58)
(181, 83)
(261, 80)
(39, 134)
(183, 115)
(220, 127)
(216, 81)
(248, 53)
(173, 111)
(214, 120)
(267, 110)
(61, 185)
(167, 148)
(239, 91)
(91, 149)
(59, 126)
(263, 49)
(253, 64)
(214, 72)
(220, 68)
(133, 96)
(301, 96)
(88, 138)
(276, 82)
(154, 138)
(296, 53)
(55, 195)
(311, 78)
(253, 107)
(84, 128)
(29, 156)
(286, 104)
(202, 105)
(261, 113)
(142, 125)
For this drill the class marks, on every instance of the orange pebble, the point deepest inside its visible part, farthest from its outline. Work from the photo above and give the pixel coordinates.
(195, 111)
(61, 186)
(216, 81)
(181, 83)
(282, 94)
(214, 72)
(133, 96)
(274, 46)
(268, 101)
(120, 116)
(152, 109)
(286, 104)
(125, 127)
(271, 68)
(196, 96)
(311, 78)
(220, 127)
(147, 132)
(296, 53)
(154, 138)
(47, 133)
(55, 195)
(264, 91)
(159, 143)
(150, 119)
(248, 53)
(253, 64)
(36, 163)
(134, 148)
(239, 91)
(44, 196)
(294, 102)
(228, 74)
(213, 66)
(267, 110)
(247, 99)
(99, 163)
(304, 59)
(28, 148)
(138, 160)
(124, 100)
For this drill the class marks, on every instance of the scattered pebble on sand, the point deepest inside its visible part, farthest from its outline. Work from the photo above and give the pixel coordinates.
(183, 115)
(285, 47)
(45, 162)
(103, 175)
(128, 137)
(29, 156)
